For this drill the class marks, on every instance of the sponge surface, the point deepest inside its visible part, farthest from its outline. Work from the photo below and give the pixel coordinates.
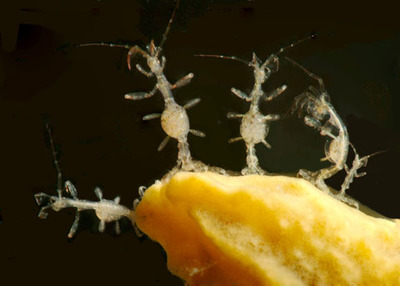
(266, 230)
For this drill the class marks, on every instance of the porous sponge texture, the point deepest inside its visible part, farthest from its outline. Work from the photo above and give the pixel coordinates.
(266, 230)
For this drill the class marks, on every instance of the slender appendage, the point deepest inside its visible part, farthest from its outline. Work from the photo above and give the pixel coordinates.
(151, 116)
(266, 144)
(197, 133)
(276, 93)
(53, 152)
(292, 45)
(163, 144)
(164, 37)
(236, 139)
(143, 71)
(183, 81)
(234, 115)
(271, 117)
(240, 94)
(140, 94)
(223, 57)
(75, 224)
(191, 103)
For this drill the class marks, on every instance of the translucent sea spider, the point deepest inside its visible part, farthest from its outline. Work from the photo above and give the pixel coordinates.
(353, 171)
(201, 270)
(174, 118)
(106, 210)
(254, 125)
(322, 116)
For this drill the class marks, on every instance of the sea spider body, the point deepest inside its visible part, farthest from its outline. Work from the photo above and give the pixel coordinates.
(175, 121)
(253, 128)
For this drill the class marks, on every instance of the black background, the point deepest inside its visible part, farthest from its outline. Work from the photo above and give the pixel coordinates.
(101, 140)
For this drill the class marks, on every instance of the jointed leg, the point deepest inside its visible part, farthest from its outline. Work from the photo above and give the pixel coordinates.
(163, 144)
(232, 115)
(275, 93)
(191, 103)
(99, 193)
(102, 225)
(271, 117)
(132, 52)
(266, 144)
(75, 224)
(236, 139)
(183, 81)
(140, 94)
(70, 188)
(197, 132)
(143, 71)
(151, 116)
(117, 227)
(240, 94)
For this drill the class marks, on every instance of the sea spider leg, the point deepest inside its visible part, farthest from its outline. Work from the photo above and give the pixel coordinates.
(132, 51)
(140, 94)
(183, 81)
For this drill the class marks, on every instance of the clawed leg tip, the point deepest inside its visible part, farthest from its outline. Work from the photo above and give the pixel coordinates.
(42, 216)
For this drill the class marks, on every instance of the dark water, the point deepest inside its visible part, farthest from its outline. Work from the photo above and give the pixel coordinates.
(101, 140)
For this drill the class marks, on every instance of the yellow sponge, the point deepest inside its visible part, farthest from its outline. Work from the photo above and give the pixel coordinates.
(266, 230)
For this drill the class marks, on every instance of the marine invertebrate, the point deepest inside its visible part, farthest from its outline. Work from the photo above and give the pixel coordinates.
(322, 116)
(174, 118)
(353, 171)
(189, 201)
(254, 126)
(105, 210)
